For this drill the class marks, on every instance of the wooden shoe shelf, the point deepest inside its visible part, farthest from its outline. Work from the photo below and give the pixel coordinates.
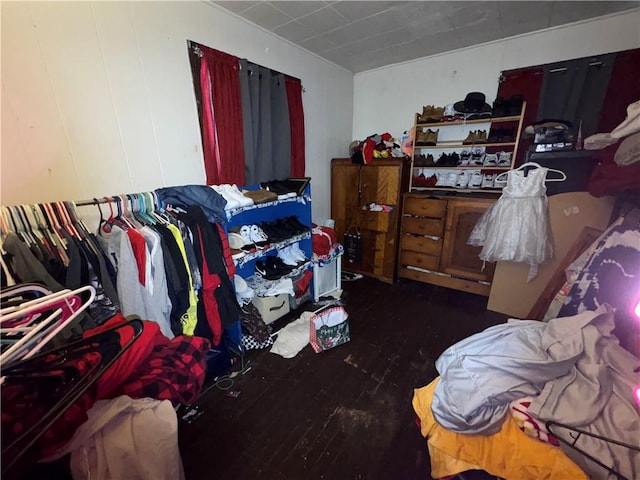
(449, 145)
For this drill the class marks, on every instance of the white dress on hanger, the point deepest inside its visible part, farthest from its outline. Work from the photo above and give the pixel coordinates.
(516, 228)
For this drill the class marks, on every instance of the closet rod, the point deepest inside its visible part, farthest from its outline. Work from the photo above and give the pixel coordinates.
(103, 200)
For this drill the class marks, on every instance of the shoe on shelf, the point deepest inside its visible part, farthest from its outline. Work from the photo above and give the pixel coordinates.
(471, 138)
(487, 180)
(500, 107)
(435, 115)
(297, 253)
(490, 160)
(432, 181)
(420, 180)
(245, 232)
(481, 136)
(237, 241)
(476, 180)
(258, 237)
(232, 203)
(285, 255)
(477, 158)
(463, 179)
(423, 160)
(465, 158)
(275, 233)
(514, 105)
(269, 269)
(495, 134)
(431, 137)
(454, 159)
(234, 192)
(451, 180)
(504, 159)
(441, 179)
(443, 160)
(296, 225)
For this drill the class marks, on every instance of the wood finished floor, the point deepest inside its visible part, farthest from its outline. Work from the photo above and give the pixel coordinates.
(341, 414)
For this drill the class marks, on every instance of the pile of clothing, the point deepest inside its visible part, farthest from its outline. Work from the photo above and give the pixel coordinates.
(573, 372)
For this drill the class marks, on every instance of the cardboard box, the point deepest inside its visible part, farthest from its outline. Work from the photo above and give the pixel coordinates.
(272, 308)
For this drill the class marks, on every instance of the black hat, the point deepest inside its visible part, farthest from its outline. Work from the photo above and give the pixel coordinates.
(474, 102)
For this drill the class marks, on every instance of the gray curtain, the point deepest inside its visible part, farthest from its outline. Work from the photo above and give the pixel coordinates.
(574, 90)
(265, 118)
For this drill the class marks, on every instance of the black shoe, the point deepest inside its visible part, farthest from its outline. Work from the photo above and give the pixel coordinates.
(274, 232)
(500, 107)
(295, 225)
(272, 268)
(514, 105)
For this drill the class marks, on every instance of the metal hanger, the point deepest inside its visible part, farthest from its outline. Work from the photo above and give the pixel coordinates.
(526, 166)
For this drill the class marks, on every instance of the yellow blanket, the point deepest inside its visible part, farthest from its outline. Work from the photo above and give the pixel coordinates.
(509, 454)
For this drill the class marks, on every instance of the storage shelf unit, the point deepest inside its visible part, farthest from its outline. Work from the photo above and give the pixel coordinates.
(299, 206)
(457, 145)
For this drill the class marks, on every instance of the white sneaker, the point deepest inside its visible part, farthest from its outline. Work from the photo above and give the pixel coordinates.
(504, 159)
(286, 256)
(258, 236)
(237, 195)
(231, 202)
(441, 182)
(463, 179)
(297, 253)
(451, 180)
(476, 180)
(491, 160)
(487, 180)
(245, 232)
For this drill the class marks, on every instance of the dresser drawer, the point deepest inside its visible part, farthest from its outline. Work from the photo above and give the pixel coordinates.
(423, 226)
(421, 244)
(428, 262)
(376, 221)
(425, 207)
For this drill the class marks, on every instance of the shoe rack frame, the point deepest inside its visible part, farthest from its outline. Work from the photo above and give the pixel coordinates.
(457, 145)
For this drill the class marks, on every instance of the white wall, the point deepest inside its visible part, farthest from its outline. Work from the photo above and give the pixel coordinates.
(97, 98)
(386, 99)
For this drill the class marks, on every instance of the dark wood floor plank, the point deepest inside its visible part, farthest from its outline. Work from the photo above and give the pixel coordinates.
(341, 414)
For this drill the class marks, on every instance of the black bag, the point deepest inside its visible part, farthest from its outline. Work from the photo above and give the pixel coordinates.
(353, 246)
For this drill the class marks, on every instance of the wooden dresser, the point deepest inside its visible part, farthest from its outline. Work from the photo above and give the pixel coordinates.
(433, 242)
(356, 186)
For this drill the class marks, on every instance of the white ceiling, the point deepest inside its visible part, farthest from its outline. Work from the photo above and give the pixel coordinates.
(360, 35)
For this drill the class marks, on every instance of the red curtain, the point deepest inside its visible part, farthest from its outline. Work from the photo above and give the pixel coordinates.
(624, 88)
(528, 83)
(221, 118)
(296, 125)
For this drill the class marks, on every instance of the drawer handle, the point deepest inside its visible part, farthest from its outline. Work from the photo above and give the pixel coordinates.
(271, 309)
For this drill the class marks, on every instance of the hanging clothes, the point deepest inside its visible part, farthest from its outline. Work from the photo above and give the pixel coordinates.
(25, 265)
(219, 307)
(135, 299)
(516, 228)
